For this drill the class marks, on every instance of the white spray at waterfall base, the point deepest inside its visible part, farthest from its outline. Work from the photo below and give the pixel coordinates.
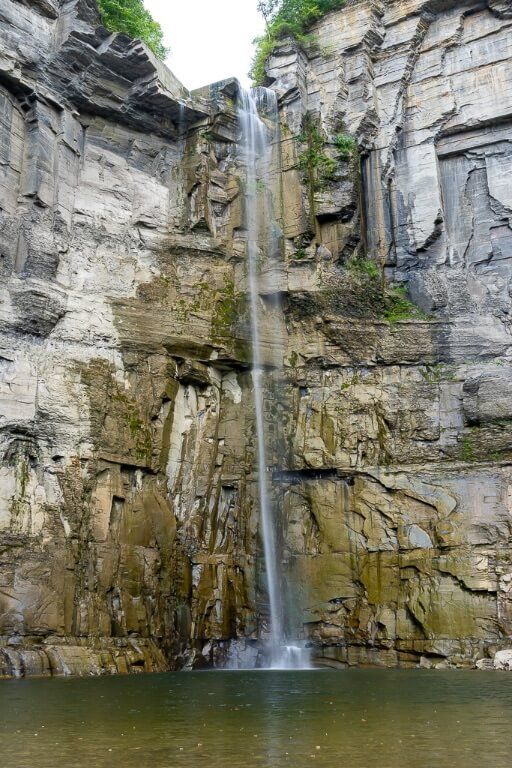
(257, 139)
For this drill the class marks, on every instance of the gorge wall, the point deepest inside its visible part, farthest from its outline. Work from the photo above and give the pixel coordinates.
(129, 530)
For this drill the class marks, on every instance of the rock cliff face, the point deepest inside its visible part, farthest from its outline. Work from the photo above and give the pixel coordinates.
(128, 506)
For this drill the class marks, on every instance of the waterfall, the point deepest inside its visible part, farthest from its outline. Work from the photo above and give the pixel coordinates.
(257, 139)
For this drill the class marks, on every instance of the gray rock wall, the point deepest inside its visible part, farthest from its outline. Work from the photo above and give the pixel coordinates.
(401, 542)
(128, 520)
(123, 444)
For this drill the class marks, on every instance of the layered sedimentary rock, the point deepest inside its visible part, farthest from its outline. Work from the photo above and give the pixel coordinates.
(123, 462)
(128, 506)
(398, 508)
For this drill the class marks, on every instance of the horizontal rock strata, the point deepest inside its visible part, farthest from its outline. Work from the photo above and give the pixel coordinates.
(128, 506)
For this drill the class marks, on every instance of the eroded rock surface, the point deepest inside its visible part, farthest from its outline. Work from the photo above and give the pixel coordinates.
(123, 439)
(402, 540)
(128, 510)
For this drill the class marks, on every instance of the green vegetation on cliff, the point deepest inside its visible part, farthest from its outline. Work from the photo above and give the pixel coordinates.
(317, 166)
(346, 145)
(286, 18)
(130, 17)
(358, 290)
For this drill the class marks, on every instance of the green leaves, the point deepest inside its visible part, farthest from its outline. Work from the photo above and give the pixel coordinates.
(345, 144)
(286, 18)
(318, 167)
(267, 8)
(130, 17)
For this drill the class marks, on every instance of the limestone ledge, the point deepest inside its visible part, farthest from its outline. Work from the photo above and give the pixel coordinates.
(79, 657)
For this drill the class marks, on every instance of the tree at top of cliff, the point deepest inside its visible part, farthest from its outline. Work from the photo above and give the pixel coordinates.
(286, 18)
(130, 17)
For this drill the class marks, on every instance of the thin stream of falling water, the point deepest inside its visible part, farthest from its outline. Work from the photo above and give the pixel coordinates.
(181, 120)
(261, 235)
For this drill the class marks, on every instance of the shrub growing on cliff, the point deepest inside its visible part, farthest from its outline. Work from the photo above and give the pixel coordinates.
(346, 145)
(130, 17)
(359, 291)
(286, 18)
(317, 167)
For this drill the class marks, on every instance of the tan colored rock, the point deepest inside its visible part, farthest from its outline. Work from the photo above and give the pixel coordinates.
(128, 497)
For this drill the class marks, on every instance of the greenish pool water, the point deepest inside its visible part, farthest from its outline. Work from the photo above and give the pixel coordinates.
(343, 719)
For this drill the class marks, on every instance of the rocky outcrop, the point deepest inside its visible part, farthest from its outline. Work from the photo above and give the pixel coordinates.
(128, 504)
(124, 456)
(502, 661)
(398, 506)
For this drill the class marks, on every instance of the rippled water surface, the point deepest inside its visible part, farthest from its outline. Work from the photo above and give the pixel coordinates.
(352, 719)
